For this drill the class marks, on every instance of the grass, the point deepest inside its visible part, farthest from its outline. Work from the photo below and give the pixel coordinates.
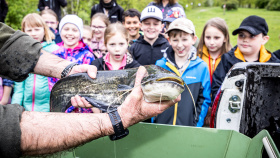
(200, 16)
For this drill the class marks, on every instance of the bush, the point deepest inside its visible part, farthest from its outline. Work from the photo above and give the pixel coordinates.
(261, 3)
(231, 5)
(273, 5)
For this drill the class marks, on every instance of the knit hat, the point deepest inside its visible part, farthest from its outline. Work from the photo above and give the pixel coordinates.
(72, 19)
(151, 12)
(174, 13)
(182, 24)
(254, 25)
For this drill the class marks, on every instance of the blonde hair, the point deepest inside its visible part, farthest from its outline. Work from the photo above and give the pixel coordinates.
(35, 20)
(221, 25)
(114, 28)
(102, 17)
(86, 27)
(49, 11)
(171, 2)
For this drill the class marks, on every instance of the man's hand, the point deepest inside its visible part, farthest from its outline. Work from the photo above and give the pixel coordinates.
(136, 109)
(90, 69)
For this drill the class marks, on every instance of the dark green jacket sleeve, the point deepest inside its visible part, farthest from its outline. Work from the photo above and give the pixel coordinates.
(19, 53)
(10, 116)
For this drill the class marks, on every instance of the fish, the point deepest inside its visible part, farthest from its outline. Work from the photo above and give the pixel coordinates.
(110, 88)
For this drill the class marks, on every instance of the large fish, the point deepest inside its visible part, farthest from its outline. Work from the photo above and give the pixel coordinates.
(110, 88)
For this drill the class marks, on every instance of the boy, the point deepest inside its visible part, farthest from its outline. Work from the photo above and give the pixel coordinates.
(150, 47)
(252, 36)
(131, 21)
(181, 59)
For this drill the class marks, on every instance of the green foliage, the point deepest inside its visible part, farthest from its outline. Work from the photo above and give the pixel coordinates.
(261, 3)
(273, 5)
(17, 10)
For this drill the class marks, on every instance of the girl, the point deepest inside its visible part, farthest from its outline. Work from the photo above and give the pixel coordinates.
(99, 23)
(51, 20)
(72, 47)
(214, 42)
(116, 42)
(165, 6)
(87, 35)
(33, 93)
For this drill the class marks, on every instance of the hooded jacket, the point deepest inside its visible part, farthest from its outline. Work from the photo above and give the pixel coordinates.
(146, 54)
(232, 57)
(33, 93)
(114, 14)
(100, 63)
(197, 90)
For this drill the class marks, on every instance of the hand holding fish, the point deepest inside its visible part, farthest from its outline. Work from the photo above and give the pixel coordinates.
(136, 109)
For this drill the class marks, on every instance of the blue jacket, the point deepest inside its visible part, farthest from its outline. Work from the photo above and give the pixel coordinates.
(33, 93)
(197, 90)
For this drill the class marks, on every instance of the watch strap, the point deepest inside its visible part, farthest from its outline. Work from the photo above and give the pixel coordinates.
(68, 68)
(120, 132)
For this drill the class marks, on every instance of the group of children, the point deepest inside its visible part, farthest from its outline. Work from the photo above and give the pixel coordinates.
(122, 45)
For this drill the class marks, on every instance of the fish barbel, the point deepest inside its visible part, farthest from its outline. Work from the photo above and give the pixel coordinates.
(110, 88)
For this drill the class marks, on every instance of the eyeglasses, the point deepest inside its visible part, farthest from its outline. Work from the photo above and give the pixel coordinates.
(97, 27)
(50, 22)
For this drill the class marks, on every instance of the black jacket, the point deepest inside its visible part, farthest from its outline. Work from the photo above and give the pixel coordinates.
(100, 63)
(3, 10)
(227, 61)
(53, 5)
(115, 14)
(146, 54)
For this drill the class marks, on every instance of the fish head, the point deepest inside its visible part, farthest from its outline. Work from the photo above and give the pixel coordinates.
(161, 84)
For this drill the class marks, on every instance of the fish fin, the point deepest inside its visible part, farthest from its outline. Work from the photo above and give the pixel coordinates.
(100, 105)
(122, 87)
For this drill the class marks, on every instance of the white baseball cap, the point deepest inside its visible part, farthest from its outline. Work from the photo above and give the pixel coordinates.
(151, 12)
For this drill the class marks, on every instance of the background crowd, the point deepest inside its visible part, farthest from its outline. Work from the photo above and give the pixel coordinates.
(119, 39)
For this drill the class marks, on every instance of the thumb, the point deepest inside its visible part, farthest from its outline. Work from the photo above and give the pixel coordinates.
(141, 73)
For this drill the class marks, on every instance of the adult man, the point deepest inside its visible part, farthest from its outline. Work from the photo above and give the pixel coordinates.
(36, 133)
(53, 5)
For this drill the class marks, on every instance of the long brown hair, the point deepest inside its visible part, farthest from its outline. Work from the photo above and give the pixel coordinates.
(171, 2)
(114, 28)
(221, 25)
(102, 17)
(35, 20)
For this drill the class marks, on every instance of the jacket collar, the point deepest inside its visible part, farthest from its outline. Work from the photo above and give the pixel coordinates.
(263, 57)
(160, 40)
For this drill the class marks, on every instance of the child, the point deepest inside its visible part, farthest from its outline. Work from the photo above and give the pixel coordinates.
(214, 42)
(131, 21)
(116, 42)
(51, 20)
(6, 87)
(252, 36)
(181, 59)
(72, 47)
(99, 23)
(149, 48)
(110, 8)
(33, 93)
(87, 35)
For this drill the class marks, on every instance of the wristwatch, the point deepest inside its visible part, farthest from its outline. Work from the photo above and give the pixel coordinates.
(120, 132)
(68, 68)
